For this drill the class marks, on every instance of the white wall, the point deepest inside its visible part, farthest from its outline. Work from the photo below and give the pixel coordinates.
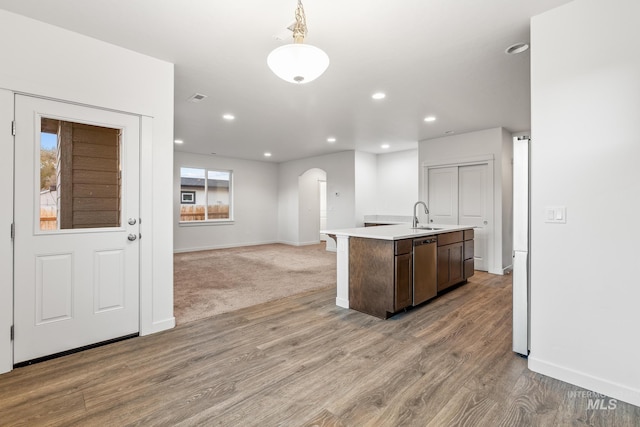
(365, 186)
(585, 152)
(255, 205)
(340, 169)
(83, 70)
(354, 189)
(397, 181)
(493, 143)
(506, 175)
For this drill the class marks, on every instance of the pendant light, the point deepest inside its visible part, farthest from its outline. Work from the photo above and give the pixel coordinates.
(298, 62)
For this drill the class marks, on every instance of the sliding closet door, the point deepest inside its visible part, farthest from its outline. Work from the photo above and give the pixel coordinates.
(460, 195)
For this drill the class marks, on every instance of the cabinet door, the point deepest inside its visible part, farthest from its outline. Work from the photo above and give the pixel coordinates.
(403, 281)
(450, 265)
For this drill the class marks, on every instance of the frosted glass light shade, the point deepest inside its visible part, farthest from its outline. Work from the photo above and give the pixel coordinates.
(298, 62)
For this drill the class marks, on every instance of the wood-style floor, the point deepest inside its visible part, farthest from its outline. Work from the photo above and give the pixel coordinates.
(302, 361)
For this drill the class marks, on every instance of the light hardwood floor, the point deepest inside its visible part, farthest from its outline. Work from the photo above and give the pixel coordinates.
(302, 361)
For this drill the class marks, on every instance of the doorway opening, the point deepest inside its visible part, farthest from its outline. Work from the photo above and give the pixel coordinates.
(312, 205)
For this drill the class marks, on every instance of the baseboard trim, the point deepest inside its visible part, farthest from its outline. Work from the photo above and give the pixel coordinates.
(159, 326)
(234, 245)
(240, 245)
(344, 303)
(584, 380)
(315, 242)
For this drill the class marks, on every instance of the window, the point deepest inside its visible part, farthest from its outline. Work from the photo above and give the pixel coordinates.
(79, 176)
(188, 197)
(205, 195)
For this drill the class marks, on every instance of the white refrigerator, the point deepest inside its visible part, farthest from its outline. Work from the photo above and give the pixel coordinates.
(521, 217)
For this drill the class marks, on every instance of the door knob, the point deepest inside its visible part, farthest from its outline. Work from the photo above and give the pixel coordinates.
(132, 221)
(132, 237)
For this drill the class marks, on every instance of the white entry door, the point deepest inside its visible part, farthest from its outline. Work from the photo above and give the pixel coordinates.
(76, 250)
(460, 195)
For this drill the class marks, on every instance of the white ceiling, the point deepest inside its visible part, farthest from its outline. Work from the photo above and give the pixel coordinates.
(431, 57)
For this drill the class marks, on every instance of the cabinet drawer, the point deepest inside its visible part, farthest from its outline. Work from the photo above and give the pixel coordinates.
(468, 234)
(468, 268)
(468, 249)
(448, 238)
(403, 246)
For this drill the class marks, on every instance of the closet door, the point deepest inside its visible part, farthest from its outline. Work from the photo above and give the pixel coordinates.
(443, 195)
(460, 195)
(472, 207)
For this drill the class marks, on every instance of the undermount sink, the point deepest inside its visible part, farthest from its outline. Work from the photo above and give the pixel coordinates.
(426, 227)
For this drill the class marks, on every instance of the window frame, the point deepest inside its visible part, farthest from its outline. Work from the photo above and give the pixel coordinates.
(207, 220)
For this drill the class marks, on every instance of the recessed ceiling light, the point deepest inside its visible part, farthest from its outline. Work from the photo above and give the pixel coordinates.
(331, 140)
(516, 48)
(430, 119)
(178, 141)
(385, 146)
(378, 95)
(267, 154)
(228, 116)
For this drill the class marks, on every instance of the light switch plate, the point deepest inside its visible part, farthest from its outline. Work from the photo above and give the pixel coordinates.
(555, 214)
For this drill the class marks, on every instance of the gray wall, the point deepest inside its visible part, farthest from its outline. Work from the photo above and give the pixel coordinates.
(255, 205)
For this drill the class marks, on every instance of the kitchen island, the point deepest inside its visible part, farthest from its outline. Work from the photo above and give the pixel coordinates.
(383, 270)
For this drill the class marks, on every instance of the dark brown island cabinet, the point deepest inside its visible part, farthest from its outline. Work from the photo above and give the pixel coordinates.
(381, 272)
(455, 258)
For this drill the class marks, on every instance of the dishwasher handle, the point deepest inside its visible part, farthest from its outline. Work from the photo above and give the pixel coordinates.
(420, 242)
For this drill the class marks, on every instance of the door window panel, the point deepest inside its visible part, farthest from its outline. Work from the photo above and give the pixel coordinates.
(80, 176)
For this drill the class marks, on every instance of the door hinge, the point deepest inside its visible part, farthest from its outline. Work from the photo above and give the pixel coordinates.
(13, 128)
(11, 333)
(13, 230)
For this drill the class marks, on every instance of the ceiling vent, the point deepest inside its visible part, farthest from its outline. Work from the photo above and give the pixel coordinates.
(196, 97)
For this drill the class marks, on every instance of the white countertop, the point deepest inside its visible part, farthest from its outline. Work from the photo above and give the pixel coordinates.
(395, 232)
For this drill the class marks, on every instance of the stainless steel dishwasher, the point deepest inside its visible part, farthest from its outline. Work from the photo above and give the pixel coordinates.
(425, 285)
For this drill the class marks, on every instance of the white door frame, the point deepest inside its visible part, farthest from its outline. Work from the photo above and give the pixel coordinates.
(6, 242)
(489, 160)
(148, 324)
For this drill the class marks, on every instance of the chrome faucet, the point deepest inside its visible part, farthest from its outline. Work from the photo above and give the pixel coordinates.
(415, 215)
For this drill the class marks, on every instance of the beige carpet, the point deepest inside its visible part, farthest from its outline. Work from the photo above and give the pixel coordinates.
(211, 282)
